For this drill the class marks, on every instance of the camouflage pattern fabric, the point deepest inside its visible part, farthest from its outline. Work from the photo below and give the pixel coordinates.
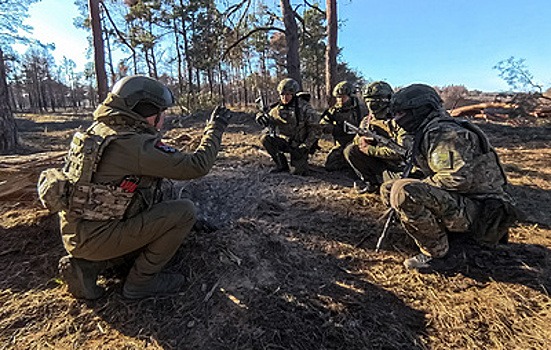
(457, 159)
(277, 146)
(371, 168)
(428, 212)
(371, 161)
(298, 130)
(460, 170)
(333, 120)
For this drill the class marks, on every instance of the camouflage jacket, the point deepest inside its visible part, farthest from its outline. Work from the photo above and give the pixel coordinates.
(297, 121)
(457, 156)
(386, 128)
(333, 120)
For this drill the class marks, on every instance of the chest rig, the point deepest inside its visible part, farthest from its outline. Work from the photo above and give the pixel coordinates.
(88, 200)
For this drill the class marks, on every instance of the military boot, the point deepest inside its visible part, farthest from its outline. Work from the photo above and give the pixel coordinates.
(81, 276)
(162, 283)
(281, 164)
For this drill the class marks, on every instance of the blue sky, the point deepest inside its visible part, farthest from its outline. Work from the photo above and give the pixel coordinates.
(438, 42)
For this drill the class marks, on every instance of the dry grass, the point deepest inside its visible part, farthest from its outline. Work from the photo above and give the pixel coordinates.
(282, 270)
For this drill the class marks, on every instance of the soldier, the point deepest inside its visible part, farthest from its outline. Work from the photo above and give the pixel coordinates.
(116, 168)
(296, 126)
(463, 185)
(374, 163)
(347, 108)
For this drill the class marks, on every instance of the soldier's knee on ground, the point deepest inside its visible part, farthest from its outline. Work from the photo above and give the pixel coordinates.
(406, 195)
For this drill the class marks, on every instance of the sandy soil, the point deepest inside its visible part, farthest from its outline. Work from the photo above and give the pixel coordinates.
(282, 270)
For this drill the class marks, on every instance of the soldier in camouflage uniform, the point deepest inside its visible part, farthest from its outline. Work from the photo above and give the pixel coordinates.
(295, 126)
(347, 108)
(375, 163)
(114, 203)
(463, 185)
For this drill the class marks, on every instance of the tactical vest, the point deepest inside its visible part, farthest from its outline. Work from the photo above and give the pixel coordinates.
(88, 200)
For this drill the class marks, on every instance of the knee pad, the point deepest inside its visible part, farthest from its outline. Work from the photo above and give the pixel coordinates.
(404, 193)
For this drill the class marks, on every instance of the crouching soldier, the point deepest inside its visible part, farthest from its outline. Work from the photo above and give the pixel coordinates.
(375, 163)
(346, 109)
(295, 126)
(113, 205)
(463, 184)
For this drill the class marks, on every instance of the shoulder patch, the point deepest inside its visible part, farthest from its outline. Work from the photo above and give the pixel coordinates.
(164, 147)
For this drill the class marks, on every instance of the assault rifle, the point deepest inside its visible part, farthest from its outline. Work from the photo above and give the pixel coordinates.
(351, 129)
(261, 104)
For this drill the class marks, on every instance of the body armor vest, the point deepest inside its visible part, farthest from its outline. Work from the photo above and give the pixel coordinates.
(88, 200)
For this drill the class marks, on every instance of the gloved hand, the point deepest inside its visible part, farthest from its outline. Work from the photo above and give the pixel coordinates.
(221, 115)
(262, 119)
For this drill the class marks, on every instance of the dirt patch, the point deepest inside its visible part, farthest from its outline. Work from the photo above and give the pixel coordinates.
(282, 270)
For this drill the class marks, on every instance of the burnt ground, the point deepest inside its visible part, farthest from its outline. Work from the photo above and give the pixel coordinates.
(282, 270)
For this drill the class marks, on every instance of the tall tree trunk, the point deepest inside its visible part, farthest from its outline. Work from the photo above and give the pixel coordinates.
(99, 51)
(331, 51)
(178, 56)
(291, 37)
(186, 51)
(8, 130)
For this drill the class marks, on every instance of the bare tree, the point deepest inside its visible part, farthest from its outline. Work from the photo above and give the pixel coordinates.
(8, 131)
(331, 49)
(291, 37)
(99, 51)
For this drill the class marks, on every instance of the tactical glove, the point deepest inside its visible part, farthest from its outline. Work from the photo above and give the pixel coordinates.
(262, 120)
(220, 115)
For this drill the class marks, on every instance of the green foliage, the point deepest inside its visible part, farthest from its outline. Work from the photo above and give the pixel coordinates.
(313, 46)
(12, 15)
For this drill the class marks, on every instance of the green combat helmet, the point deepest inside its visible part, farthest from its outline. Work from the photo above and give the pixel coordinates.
(288, 85)
(412, 104)
(343, 88)
(377, 98)
(146, 96)
(377, 89)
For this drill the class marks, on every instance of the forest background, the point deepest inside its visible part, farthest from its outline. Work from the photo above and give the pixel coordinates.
(208, 52)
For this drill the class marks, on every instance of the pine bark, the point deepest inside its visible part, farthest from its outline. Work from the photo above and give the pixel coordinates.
(8, 129)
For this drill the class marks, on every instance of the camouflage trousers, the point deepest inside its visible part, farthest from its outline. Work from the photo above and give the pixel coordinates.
(335, 160)
(427, 213)
(155, 233)
(276, 146)
(369, 168)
